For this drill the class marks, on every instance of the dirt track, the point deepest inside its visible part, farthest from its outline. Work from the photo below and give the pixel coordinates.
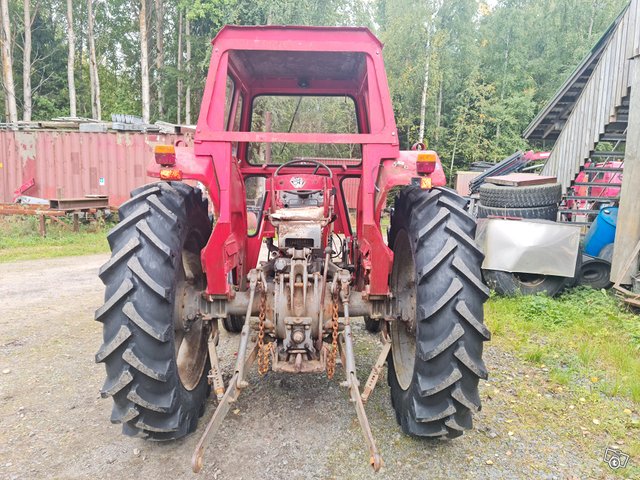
(53, 423)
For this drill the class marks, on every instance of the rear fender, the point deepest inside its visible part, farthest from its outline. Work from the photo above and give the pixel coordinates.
(193, 167)
(224, 258)
(401, 171)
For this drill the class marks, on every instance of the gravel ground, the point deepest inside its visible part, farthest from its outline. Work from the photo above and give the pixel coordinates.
(53, 423)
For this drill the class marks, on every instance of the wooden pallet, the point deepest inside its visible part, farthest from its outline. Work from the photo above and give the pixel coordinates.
(520, 180)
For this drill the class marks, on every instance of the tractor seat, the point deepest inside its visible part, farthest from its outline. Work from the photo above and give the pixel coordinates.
(298, 214)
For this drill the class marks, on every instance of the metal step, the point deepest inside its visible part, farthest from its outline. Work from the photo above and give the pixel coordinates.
(597, 184)
(592, 199)
(607, 155)
(613, 137)
(583, 212)
(617, 127)
(602, 169)
(569, 222)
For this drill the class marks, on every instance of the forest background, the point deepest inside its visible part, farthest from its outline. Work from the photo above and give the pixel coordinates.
(466, 75)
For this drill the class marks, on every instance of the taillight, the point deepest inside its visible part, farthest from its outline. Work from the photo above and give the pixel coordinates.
(165, 154)
(170, 174)
(426, 162)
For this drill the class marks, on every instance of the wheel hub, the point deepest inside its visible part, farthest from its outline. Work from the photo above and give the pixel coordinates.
(191, 331)
(403, 330)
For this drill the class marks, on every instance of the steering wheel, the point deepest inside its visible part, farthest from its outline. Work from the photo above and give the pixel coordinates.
(318, 165)
(290, 163)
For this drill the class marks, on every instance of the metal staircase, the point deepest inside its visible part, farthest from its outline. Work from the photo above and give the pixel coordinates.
(598, 181)
(597, 113)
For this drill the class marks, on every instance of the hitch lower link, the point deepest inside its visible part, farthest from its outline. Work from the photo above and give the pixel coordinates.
(248, 351)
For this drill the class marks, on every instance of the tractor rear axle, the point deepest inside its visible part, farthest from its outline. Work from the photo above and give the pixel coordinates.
(296, 360)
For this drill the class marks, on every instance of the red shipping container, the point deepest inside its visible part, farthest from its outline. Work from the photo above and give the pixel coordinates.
(72, 164)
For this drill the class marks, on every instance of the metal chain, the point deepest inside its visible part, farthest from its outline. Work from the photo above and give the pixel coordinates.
(331, 360)
(264, 351)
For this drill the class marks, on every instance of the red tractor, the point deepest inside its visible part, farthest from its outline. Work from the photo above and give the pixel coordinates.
(282, 259)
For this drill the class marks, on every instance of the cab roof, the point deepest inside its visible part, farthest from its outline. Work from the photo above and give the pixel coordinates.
(321, 37)
(299, 54)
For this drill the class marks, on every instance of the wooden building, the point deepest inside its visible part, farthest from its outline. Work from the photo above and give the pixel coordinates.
(593, 122)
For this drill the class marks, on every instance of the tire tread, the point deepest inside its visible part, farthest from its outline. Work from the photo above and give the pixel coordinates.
(138, 348)
(450, 329)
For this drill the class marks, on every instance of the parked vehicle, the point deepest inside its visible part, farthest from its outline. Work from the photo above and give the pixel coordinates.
(593, 189)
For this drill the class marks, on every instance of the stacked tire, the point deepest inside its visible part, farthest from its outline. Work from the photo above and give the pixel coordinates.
(529, 202)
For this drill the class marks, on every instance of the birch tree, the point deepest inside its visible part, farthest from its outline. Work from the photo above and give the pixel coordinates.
(26, 63)
(179, 68)
(187, 100)
(144, 61)
(430, 27)
(7, 65)
(93, 65)
(71, 42)
(159, 56)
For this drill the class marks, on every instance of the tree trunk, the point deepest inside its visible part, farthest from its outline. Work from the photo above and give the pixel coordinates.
(159, 56)
(439, 110)
(423, 101)
(93, 66)
(592, 19)
(455, 147)
(504, 79)
(179, 86)
(463, 121)
(71, 40)
(7, 64)
(144, 61)
(26, 62)
(187, 100)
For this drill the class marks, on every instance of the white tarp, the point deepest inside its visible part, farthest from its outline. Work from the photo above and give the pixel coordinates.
(529, 246)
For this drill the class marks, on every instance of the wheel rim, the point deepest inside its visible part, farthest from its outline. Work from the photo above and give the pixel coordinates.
(403, 329)
(190, 332)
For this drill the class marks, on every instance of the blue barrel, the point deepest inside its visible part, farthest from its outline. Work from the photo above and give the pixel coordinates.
(602, 231)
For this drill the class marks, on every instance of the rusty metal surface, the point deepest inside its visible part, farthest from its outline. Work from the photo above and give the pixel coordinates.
(79, 203)
(74, 164)
(462, 182)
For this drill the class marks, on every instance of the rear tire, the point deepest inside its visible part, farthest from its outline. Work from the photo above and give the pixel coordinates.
(436, 360)
(156, 361)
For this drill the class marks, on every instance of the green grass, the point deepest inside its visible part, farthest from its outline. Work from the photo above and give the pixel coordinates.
(586, 338)
(20, 240)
